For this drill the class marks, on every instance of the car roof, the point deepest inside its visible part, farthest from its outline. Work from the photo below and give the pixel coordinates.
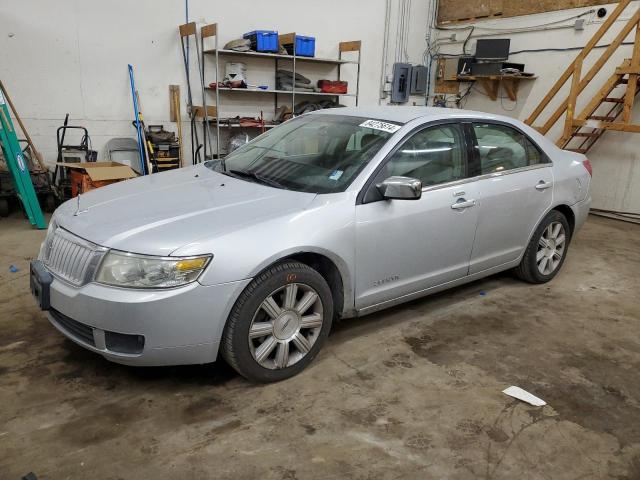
(401, 114)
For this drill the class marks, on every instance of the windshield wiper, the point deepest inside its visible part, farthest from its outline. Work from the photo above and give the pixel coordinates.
(256, 176)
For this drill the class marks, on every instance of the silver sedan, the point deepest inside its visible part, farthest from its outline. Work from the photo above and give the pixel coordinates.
(331, 215)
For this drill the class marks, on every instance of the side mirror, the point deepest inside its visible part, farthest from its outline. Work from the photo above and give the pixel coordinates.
(400, 188)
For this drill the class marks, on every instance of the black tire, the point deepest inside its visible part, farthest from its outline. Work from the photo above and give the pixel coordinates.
(528, 269)
(4, 207)
(235, 347)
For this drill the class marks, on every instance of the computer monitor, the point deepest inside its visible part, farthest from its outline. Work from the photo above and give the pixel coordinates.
(494, 49)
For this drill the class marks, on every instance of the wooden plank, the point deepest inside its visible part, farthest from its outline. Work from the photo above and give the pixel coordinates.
(620, 127)
(571, 101)
(627, 70)
(567, 73)
(586, 134)
(352, 46)
(287, 39)
(172, 104)
(490, 87)
(210, 30)
(175, 93)
(442, 85)
(198, 111)
(465, 11)
(597, 66)
(187, 29)
(511, 87)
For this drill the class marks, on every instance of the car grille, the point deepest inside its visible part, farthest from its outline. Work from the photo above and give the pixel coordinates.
(69, 257)
(78, 330)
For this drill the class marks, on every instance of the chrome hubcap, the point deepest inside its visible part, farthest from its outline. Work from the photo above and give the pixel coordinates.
(285, 326)
(551, 248)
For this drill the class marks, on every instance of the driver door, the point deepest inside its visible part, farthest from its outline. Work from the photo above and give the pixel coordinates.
(405, 246)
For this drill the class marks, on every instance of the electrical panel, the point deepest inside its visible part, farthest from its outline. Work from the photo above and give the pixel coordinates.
(418, 80)
(401, 85)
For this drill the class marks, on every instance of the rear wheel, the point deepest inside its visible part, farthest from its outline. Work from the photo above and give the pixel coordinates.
(278, 323)
(547, 249)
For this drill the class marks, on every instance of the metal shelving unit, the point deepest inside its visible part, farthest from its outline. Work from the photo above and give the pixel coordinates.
(215, 53)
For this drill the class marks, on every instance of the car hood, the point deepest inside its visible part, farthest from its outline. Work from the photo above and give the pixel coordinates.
(160, 213)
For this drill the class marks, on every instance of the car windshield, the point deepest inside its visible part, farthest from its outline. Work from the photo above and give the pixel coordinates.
(311, 153)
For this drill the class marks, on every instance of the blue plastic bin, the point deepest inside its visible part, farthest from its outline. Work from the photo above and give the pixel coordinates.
(305, 46)
(263, 40)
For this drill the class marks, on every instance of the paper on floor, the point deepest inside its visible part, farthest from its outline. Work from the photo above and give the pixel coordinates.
(520, 394)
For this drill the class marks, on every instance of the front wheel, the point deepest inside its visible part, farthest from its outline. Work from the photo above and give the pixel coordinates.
(278, 323)
(546, 250)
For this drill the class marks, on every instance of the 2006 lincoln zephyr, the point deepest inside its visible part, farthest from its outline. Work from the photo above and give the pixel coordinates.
(333, 214)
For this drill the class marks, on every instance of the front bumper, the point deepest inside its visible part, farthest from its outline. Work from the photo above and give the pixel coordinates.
(171, 327)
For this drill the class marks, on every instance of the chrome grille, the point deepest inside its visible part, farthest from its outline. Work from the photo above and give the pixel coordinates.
(69, 257)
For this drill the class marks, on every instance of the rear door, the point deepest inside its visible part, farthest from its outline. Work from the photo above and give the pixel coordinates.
(515, 183)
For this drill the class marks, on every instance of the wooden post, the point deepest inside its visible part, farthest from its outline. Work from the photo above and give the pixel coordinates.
(571, 102)
(175, 114)
(632, 84)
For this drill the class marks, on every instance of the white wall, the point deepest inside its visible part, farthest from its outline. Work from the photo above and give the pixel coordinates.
(71, 56)
(616, 156)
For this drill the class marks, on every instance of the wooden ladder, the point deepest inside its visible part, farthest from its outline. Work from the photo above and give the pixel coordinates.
(604, 110)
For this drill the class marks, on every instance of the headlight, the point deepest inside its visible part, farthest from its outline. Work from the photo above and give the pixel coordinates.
(124, 269)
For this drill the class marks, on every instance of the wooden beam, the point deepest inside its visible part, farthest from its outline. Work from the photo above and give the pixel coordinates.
(597, 66)
(632, 84)
(620, 127)
(209, 30)
(567, 73)
(287, 39)
(511, 87)
(353, 46)
(172, 104)
(187, 29)
(490, 87)
(198, 111)
(571, 101)
(177, 117)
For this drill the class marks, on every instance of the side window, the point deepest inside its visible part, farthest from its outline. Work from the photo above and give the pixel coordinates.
(502, 148)
(433, 155)
(534, 155)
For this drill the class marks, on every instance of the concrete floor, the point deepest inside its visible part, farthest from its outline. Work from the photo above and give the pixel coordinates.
(412, 392)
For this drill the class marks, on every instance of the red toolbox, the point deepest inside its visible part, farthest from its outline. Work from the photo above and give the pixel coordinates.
(333, 86)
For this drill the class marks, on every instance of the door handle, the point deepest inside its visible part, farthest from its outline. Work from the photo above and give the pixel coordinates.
(542, 185)
(462, 204)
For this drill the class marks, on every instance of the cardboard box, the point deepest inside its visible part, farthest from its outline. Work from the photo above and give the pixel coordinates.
(88, 176)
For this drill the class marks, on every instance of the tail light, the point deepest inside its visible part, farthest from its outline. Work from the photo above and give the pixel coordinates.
(587, 165)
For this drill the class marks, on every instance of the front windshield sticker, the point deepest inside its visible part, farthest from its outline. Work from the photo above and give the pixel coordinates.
(378, 125)
(335, 175)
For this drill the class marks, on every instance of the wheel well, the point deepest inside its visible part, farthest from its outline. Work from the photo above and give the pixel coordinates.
(325, 267)
(568, 213)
